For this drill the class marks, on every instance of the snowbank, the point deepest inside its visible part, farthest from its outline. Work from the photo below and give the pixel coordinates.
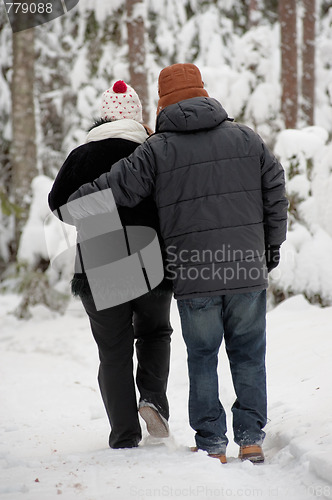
(54, 429)
(305, 265)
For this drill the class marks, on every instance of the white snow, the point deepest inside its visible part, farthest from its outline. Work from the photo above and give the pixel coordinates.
(305, 264)
(101, 9)
(54, 430)
(32, 242)
(322, 187)
(304, 143)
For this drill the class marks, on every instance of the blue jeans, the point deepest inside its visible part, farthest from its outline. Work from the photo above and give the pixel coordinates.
(241, 319)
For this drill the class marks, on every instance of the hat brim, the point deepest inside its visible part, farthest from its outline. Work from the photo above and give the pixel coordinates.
(180, 95)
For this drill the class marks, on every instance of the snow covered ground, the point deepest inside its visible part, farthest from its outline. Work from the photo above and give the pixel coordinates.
(54, 431)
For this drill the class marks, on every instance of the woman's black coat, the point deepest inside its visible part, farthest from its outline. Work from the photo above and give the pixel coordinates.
(86, 163)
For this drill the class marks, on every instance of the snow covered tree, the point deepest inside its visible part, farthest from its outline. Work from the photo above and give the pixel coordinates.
(308, 61)
(305, 256)
(236, 45)
(289, 83)
(136, 52)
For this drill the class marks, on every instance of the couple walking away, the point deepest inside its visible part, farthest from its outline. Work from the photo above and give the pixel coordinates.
(215, 195)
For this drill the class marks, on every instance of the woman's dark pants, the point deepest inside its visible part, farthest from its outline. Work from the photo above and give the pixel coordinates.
(146, 320)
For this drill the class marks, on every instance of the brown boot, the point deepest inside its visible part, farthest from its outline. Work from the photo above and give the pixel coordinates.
(220, 456)
(252, 452)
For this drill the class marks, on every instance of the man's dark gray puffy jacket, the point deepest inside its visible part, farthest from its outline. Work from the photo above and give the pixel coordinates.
(220, 196)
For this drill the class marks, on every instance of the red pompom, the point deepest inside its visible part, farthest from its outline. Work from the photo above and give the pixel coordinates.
(120, 87)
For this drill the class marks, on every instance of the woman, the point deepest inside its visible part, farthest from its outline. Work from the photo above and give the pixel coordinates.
(116, 135)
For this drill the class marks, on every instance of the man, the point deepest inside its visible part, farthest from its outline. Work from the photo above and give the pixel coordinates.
(221, 202)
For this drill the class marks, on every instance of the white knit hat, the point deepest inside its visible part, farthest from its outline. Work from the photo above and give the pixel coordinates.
(121, 101)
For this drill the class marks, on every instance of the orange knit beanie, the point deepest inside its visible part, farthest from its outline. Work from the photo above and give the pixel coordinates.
(179, 82)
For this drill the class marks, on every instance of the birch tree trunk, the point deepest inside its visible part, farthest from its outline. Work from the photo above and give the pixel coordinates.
(23, 148)
(136, 44)
(288, 39)
(308, 61)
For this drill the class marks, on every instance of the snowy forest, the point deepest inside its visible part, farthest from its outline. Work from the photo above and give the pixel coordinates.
(268, 62)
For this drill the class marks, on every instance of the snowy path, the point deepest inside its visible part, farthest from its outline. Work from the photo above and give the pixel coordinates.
(53, 429)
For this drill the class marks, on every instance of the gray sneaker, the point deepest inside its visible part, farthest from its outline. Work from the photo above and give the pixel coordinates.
(156, 424)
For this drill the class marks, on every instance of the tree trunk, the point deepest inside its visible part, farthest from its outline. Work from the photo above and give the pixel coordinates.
(23, 148)
(252, 13)
(308, 61)
(136, 44)
(287, 18)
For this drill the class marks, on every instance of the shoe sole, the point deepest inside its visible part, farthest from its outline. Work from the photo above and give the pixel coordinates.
(156, 427)
(253, 459)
